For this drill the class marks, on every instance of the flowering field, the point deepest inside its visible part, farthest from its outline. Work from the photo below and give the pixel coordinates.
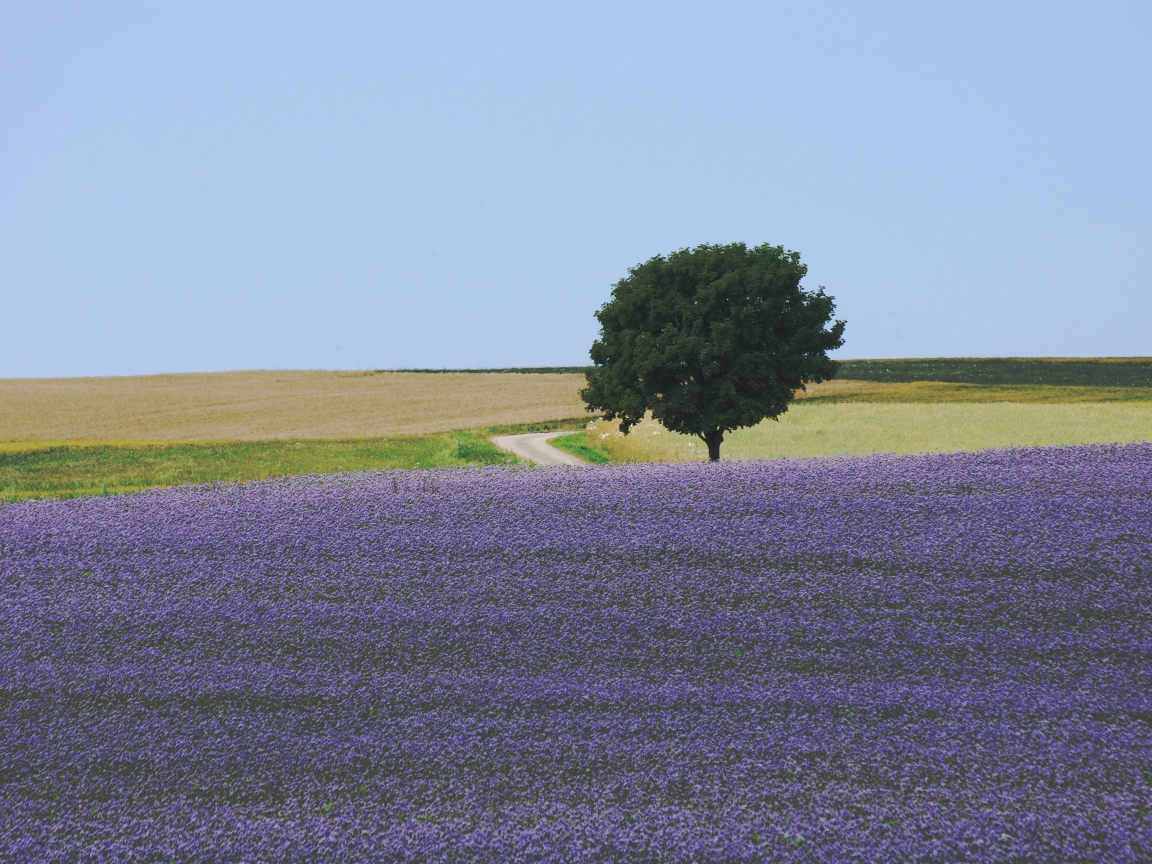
(941, 658)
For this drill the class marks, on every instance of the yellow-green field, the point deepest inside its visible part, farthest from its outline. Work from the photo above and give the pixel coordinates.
(856, 428)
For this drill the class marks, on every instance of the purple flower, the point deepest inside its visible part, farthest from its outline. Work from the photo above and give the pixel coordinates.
(943, 658)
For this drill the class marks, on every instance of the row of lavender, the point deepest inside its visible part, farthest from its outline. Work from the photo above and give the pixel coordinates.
(941, 658)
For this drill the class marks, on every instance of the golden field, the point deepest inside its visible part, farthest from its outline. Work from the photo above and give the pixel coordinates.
(261, 405)
(814, 428)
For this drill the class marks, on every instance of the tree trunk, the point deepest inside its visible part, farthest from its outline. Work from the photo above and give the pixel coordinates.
(713, 439)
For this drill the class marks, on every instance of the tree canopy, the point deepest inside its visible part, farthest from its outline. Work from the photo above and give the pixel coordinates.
(711, 339)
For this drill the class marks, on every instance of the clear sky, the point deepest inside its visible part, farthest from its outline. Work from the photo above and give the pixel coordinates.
(204, 186)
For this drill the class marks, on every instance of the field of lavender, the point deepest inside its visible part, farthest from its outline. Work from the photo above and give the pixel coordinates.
(893, 658)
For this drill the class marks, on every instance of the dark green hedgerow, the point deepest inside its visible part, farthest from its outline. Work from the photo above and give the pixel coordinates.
(1074, 372)
(1061, 371)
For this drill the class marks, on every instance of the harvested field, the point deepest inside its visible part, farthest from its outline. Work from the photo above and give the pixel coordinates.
(247, 406)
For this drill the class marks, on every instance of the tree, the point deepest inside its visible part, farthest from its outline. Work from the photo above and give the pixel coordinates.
(709, 340)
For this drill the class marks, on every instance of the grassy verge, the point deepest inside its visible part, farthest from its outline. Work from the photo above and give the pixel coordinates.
(34, 469)
(587, 447)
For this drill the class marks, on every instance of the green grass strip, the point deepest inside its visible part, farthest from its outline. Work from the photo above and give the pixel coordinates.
(31, 469)
(582, 448)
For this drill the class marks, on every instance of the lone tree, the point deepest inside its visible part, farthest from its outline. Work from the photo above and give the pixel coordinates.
(709, 340)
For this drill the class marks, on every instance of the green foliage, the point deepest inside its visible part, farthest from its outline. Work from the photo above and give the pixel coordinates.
(709, 340)
(547, 426)
(1065, 372)
(480, 453)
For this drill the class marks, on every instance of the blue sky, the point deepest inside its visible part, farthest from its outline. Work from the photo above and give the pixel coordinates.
(205, 186)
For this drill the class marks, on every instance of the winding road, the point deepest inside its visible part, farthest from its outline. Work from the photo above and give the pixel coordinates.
(535, 446)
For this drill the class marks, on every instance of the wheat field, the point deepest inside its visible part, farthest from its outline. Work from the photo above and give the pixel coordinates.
(816, 429)
(263, 405)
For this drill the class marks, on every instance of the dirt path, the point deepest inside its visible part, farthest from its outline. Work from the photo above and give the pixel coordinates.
(535, 446)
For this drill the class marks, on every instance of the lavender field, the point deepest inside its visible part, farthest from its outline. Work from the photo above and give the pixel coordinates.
(943, 658)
